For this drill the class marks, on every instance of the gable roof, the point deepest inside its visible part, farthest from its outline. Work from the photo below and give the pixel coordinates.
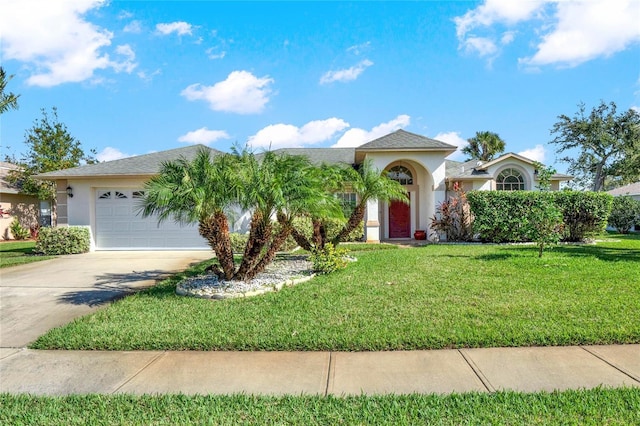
(403, 140)
(475, 169)
(140, 165)
(631, 189)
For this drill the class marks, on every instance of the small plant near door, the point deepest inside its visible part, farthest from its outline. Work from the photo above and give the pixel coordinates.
(453, 217)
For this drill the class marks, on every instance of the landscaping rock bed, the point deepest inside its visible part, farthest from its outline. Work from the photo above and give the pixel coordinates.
(283, 272)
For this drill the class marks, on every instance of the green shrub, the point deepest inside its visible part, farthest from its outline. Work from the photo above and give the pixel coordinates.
(507, 216)
(502, 216)
(63, 240)
(585, 214)
(18, 231)
(625, 212)
(238, 241)
(332, 226)
(329, 259)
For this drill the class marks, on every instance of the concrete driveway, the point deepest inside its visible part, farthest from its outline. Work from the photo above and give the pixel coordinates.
(39, 296)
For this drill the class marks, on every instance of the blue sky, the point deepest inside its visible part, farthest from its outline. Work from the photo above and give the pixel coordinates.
(132, 77)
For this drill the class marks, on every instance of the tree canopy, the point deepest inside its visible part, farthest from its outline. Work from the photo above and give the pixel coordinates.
(602, 147)
(484, 146)
(7, 100)
(51, 147)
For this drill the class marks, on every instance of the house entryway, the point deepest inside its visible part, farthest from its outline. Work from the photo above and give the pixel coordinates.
(399, 219)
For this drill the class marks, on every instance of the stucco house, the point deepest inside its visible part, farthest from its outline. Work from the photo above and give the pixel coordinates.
(105, 196)
(14, 204)
(632, 189)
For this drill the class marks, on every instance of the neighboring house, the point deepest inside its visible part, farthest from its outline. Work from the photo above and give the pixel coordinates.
(105, 196)
(27, 209)
(633, 190)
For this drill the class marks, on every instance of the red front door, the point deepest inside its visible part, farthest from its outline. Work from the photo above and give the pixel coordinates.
(399, 220)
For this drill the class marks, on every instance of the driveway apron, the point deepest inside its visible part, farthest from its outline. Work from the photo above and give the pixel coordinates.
(37, 297)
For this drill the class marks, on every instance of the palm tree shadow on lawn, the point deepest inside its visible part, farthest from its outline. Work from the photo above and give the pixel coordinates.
(111, 287)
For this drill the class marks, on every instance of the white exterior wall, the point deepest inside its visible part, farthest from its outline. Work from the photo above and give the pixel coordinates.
(526, 169)
(430, 181)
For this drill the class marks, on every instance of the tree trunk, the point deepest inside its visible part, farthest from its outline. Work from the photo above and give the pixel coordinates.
(268, 257)
(598, 180)
(319, 234)
(215, 230)
(301, 240)
(356, 217)
(259, 235)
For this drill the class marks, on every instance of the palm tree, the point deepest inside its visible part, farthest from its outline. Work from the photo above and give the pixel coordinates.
(7, 100)
(484, 146)
(198, 191)
(369, 184)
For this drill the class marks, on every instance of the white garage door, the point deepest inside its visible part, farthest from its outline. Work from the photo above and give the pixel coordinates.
(120, 227)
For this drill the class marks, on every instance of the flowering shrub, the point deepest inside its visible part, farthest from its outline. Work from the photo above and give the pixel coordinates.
(67, 240)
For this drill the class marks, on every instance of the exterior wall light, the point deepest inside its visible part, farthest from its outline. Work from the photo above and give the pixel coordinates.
(69, 192)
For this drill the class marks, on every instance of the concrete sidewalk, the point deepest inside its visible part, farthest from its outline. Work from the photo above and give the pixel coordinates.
(319, 373)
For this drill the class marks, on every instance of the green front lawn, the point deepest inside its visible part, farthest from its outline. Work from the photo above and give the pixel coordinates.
(583, 407)
(436, 296)
(18, 253)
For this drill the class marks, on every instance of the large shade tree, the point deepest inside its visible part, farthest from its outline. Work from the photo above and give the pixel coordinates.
(208, 189)
(602, 145)
(51, 147)
(484, 146)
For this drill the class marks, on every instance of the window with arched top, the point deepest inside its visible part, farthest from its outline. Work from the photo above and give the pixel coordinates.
(401, 174)
(510, 180)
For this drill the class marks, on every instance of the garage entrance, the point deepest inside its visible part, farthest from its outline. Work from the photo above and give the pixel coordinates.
(119, 226)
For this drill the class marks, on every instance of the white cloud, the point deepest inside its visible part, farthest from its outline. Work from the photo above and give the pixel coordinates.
(55, 41)
(359, 48)
(636, 108)
(570, 32)
(109, 154)
(241, 92)
(356, 137)
(217, 55)
(128, 63)
(536, 153)
(481, 45)
(179, 27)
(203, 136)
(134, 27)
(587, 30)
(288, 135)
(345, 75)
(453, 138)
(146, 76)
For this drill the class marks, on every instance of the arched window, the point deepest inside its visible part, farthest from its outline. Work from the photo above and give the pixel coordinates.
(401, 174)
(510, 180)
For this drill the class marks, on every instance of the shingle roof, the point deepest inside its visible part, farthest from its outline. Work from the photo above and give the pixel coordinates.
(5, 186)
(401, 139)
(141, 165)
(323, 155)
(631, 189)
(467, 169)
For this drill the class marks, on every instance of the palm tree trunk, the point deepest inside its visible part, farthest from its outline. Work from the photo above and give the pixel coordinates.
(301, 240)
(268, 257)
(259, 234)
(319, 234)
(216, 231)
(356, 217)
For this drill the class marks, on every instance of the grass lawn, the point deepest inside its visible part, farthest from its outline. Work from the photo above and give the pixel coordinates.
(436, 296)
(19, 253)
(584, 407)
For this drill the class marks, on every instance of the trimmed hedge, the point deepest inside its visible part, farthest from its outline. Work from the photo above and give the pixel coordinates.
(507, 216)
(63, 240)
(332, 226)
(585, 214)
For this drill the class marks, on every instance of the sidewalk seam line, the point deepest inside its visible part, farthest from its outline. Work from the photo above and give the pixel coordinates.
(329, 371)
(483, 379)
(620, 369)
(144, 367)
